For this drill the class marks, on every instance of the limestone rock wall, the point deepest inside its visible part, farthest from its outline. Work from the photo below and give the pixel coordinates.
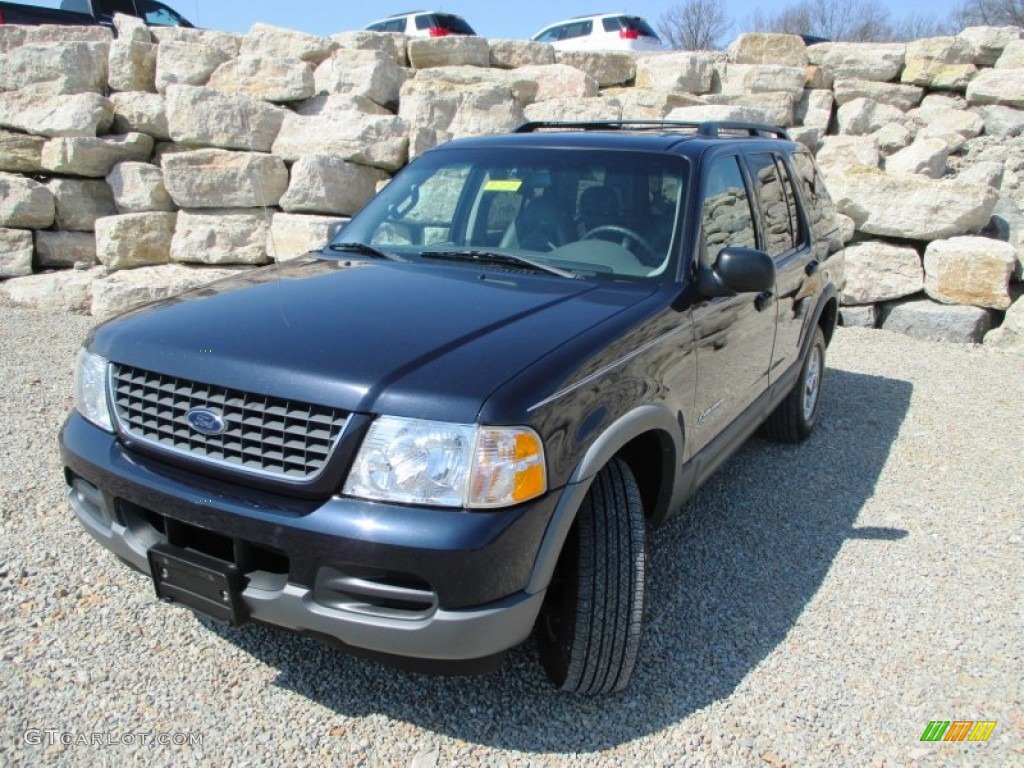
(135, 165)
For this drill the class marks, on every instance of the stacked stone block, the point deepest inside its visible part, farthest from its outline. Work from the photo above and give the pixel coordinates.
(138, 164)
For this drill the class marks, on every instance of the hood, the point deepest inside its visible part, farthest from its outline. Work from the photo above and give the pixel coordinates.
(422, 340)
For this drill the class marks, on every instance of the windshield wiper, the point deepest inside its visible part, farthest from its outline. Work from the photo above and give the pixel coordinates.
(500, 259)
(363, 248)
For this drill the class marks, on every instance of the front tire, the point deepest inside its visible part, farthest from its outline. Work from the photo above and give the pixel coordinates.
(591, 620)
(794, 418)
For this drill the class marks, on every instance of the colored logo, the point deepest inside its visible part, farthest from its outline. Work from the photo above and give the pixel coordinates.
(206, 422)
(958, 730)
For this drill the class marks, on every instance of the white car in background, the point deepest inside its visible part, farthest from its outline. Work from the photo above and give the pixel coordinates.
(601, 32)
(423, 24)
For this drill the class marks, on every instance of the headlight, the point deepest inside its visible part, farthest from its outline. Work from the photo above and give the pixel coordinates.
(91, 389)
(448, 465)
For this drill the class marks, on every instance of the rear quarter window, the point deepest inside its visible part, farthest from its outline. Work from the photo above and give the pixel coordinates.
(821, 212)
(453, 23)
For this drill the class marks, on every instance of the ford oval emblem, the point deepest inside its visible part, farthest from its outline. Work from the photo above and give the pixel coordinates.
(206, 422)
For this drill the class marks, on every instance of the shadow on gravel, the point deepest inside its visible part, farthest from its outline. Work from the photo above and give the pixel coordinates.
(729, 577)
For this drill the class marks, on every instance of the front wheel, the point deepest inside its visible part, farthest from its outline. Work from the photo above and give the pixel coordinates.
(589, 627)
(794, 418)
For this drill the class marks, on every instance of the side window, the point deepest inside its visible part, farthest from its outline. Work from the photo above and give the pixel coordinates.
(115, 6)
(797, 222)
(424, 21)
(611, 24)
(578, 29)
(551, 35)
(771, 182)
(158, 14)
(726, 217)
(818, 206)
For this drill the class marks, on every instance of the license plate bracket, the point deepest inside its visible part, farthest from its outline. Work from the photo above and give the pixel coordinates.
(204, 584)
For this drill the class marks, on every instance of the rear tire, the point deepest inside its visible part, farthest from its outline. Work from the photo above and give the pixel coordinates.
(590, 624)
(794, 418)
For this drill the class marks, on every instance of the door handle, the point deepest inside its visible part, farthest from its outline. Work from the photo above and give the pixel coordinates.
(764, 300)
(811, 268)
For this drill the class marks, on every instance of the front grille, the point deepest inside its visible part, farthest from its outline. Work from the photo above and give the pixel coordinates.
(264, 435)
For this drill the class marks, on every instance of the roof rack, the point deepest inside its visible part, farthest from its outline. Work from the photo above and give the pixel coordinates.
(708, 128)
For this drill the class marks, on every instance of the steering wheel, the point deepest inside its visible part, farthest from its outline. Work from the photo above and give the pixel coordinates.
(628, 234)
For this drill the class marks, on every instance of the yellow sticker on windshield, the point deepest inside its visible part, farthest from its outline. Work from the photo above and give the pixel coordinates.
(503, 185)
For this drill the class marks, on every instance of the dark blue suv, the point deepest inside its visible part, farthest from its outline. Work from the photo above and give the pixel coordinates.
(453, 426)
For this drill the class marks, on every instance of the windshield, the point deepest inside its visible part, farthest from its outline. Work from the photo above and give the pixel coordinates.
(592, 213)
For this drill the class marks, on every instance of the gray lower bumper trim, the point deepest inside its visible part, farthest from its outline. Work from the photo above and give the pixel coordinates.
(444, 635)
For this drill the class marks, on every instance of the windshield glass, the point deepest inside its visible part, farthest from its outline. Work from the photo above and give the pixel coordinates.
(593, 213)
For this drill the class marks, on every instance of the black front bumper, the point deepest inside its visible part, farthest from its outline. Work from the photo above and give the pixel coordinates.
(395, 580)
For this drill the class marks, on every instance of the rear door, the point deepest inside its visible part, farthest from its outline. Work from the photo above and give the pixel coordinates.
(784, 236)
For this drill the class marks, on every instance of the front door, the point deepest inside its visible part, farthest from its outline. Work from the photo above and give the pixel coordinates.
(734, 334)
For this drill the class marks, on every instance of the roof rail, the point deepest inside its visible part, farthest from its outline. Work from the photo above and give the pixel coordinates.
(715, 127)
(709, 128)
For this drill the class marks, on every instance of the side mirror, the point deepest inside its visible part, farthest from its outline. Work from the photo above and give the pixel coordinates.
(738, 270)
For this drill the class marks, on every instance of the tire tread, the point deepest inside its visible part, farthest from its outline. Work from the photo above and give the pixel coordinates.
(611, 573)
(786, 423)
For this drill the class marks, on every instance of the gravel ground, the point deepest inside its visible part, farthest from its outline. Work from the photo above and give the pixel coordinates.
(813, 605)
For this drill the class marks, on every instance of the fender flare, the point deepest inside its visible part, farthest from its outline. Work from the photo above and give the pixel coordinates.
(645, 418)
(829, 293)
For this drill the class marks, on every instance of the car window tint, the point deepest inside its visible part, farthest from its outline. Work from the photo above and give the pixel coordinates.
(578, 29)
(611, 24)
(551, 35)
(726, 216)
(796, 220)
(158, 14)
(821, 212)
(778, 228)
(424, 22)
(454, 23)
(117, 6)
(638, 24)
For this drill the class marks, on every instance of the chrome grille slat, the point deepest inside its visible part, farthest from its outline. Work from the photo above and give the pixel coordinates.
(265, 435)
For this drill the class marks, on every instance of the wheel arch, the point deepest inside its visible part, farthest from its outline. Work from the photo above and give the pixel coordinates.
(650, 440)
(828, 318)
(824, 316)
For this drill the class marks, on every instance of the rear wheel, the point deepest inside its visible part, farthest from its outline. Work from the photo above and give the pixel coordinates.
(794, 419)
(589, 632)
